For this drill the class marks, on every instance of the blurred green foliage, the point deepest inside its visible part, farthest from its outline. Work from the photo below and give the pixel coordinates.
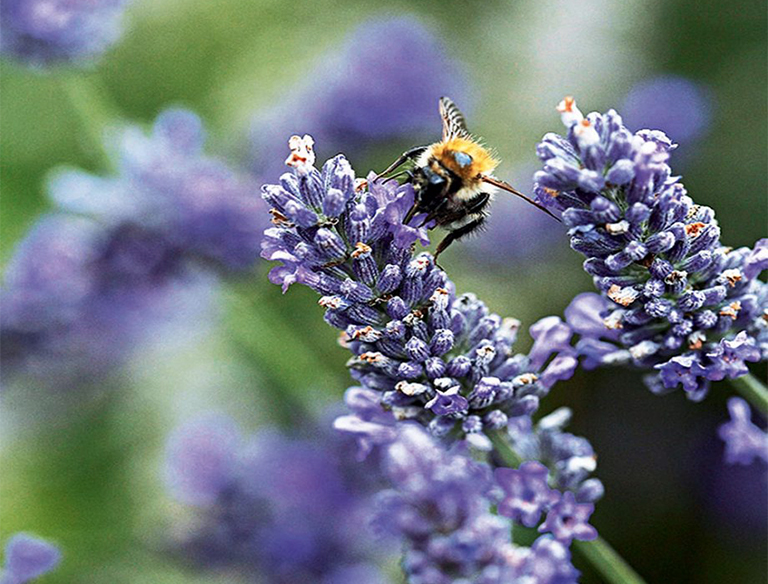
(91, 479)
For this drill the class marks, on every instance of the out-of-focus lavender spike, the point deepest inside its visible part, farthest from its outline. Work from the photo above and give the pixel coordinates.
(88, 283)
(288, 509)
(383, 83)
(42, 33)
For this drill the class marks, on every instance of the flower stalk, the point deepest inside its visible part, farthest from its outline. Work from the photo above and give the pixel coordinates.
(599, 553)
(753, 390)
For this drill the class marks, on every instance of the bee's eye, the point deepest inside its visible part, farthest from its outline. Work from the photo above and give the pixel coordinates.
(462, 159)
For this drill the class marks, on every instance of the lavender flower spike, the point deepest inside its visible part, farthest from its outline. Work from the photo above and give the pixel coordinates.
(674, 300)
(125, 252)
(285, 509)
(744, 441)
(438, 507)
(27, 558)
(49, 32)
(419, 351)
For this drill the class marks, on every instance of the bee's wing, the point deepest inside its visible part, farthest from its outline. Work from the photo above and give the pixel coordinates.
(454, 124)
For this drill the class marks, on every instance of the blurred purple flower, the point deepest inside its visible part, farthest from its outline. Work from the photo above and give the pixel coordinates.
(383, 83)
(673, 104)
(526, 492)
(548, 562)
(567, 520)
(84, 288)
(49, 32)
(288, 509)
(27, 557)
(438, 506)
(679, 303)
(744, 441)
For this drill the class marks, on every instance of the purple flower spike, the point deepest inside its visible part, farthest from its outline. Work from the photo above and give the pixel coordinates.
(427, 354)
(527, 493)
(567, 520)
(126, 252)
(673, 299)
(28, 557)
(744, 441)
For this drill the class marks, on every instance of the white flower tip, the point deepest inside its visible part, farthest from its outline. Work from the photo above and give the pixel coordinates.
(585, 133)
(569, 113)
(302, 151)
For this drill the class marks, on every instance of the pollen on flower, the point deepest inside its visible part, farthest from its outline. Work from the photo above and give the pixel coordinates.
(732, 310)
(302, 151)
(623, 296)
(732, 276)
(551, 192)
(526, 379)
(332, 302)
(361, 249)
(372, 357)
(613, 321)
(279, 219)
(692, 230)
(696, 340)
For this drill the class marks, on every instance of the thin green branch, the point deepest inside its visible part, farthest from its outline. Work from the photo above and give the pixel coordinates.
(599, 553)
(753, 390)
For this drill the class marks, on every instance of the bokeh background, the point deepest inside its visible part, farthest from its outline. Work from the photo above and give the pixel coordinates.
(84, 466)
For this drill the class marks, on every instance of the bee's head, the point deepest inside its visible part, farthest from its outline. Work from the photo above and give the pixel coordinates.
(466, 158)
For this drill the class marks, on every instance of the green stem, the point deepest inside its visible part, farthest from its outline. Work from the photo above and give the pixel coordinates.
(606, 560)
(753, 390)
(93, 111)
(273, 345)
(599, 553)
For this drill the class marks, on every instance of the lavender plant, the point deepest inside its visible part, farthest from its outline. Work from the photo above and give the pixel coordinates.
(438, 506)
(287, 509)
(124, 252)
(28, 557)
(42, 33)
(673, 300)
(420, 352)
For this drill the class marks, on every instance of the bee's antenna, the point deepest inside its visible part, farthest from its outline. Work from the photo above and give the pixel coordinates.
(510, 189)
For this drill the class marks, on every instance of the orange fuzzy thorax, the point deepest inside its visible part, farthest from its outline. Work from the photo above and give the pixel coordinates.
(483, 161)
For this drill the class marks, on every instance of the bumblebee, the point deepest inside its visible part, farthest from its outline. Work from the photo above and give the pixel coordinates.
(453, 179)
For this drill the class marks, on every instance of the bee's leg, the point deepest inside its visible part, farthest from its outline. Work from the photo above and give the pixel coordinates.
(458, 234)
(402, 159)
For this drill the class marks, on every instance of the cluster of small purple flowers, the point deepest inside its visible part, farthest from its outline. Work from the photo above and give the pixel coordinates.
(47, 32)
(123, 252)
(439, 506)
(289, 509)
(673, 298)
(28, 557)
(420, 351)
